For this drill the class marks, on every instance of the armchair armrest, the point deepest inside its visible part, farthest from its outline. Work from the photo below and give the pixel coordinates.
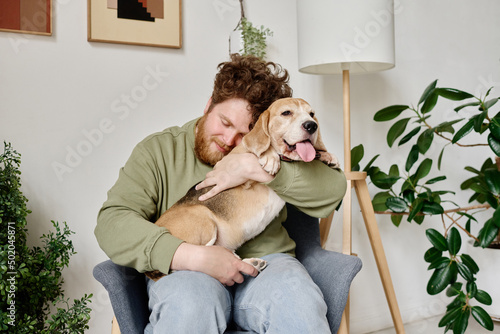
(127, 291)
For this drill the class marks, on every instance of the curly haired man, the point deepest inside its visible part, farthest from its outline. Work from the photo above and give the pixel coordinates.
(207, 289)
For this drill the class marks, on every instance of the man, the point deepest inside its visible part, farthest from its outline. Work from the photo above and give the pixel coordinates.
(211, 290)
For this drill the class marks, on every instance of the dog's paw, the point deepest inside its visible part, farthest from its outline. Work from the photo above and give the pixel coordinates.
(258, 264)
(270, 163)
(329, 159)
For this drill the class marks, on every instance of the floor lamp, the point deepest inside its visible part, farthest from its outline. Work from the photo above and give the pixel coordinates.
(350, 36)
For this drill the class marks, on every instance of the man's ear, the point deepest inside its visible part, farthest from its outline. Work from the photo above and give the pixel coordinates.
(207, 107)
(258, 140)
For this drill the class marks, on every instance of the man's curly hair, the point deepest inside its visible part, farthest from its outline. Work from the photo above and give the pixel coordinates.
(252, 79)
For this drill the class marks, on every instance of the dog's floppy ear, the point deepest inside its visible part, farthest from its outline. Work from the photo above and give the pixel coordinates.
(319, 145)
(258, 140)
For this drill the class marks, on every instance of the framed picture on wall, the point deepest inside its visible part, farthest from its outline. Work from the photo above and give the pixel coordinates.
(26, 16)
(137, 22)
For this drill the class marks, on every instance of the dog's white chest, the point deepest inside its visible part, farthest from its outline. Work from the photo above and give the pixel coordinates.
(263, 215)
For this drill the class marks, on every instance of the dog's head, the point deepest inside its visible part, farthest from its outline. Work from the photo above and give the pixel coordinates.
(289, 127)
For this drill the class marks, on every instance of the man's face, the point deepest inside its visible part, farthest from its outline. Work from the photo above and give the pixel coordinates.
(221, 129)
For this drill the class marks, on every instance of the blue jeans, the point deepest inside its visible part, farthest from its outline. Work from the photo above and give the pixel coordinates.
(281, 299)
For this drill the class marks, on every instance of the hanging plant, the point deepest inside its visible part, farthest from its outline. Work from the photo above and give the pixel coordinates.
(254, 38)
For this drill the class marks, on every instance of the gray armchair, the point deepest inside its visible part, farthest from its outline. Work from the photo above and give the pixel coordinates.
(333, 272)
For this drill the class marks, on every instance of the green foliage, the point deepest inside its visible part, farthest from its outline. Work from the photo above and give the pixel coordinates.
(31, 278)
(254, 39)
(415, 193)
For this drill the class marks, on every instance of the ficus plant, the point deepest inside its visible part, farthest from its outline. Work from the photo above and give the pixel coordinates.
(412, 191)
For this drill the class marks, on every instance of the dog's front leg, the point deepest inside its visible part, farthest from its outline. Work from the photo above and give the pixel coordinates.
(270, 161)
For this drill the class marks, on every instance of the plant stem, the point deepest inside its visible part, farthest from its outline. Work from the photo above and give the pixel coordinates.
(481, 206)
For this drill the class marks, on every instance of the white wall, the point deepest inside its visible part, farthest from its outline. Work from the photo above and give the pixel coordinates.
(55, 91)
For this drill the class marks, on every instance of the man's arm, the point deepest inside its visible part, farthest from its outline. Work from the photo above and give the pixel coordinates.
(125, 232)
(313, 187)
(232, 171)
(124, 229)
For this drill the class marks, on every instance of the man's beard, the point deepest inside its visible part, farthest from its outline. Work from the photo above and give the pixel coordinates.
(202, 145)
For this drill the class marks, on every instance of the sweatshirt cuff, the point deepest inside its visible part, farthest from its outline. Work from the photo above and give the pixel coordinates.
(162, 252)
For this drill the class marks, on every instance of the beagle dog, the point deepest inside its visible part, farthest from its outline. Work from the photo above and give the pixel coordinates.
(287, 131)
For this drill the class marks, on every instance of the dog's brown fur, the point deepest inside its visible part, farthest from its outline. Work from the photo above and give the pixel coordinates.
(236, 215)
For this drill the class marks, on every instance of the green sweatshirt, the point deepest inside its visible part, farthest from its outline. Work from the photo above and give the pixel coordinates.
(160, 171)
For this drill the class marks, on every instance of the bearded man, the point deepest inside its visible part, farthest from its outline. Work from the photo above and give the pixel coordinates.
(206, 288)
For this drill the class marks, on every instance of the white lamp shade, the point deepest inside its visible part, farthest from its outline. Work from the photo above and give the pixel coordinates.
(345, 34)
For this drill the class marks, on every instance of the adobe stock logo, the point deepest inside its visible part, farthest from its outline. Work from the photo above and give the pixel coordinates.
(120, 108)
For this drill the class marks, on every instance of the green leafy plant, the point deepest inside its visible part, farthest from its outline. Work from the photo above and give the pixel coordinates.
(31, 278)
(412, 191)
(254, 38)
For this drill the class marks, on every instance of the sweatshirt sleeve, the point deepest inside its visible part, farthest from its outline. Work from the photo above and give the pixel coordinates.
(124, 225)
(313, 187)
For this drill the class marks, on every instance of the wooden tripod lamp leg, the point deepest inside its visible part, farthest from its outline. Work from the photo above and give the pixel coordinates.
(378, 251)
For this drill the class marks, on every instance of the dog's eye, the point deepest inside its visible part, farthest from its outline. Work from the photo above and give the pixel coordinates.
(286, 113)
(311, 114)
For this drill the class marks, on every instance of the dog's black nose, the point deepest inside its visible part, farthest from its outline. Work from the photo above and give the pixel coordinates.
(310, 127)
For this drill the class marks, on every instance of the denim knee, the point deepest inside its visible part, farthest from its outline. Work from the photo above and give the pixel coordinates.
(188, 302)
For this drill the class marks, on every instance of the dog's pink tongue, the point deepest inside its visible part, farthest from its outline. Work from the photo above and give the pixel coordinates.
(306, 151)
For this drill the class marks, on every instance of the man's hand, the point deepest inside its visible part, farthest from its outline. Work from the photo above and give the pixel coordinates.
(215, 261)
(232, 171)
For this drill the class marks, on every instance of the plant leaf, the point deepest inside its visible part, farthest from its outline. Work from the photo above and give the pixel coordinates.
(495, 126)
(488, 233)
(379, 199)
(453, 94)
(427, 91)
(432, 208)
(396, 219)
(482, 317)
(430, 102)
(450, 316)
(409, 136)
(424, 141)
(470, 104)
(440, 159)
(461, 323)
(396, 130)
(370, 163)
(490, 103)
(389, 113)
(432, 254)
(357, 154)
(415, 210)
(423, 170)
(463, 131)
(437, 239)
(439, 263)
(454, 241)
(396, 204)
(470, 263)
(436, 179)
(494, 144)
(412, 158)
(454, 289)
(483, 297)
(440, 279)
(492, 178)
(465, 272)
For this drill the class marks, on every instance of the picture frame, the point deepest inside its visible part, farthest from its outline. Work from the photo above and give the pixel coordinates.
(135, 22)
(26, 16)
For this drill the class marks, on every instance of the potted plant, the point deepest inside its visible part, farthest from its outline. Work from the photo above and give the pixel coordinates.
(248, 39)
(31, 278)
(412, 191)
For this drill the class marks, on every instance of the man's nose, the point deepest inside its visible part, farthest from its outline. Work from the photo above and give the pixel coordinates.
(232, 138)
